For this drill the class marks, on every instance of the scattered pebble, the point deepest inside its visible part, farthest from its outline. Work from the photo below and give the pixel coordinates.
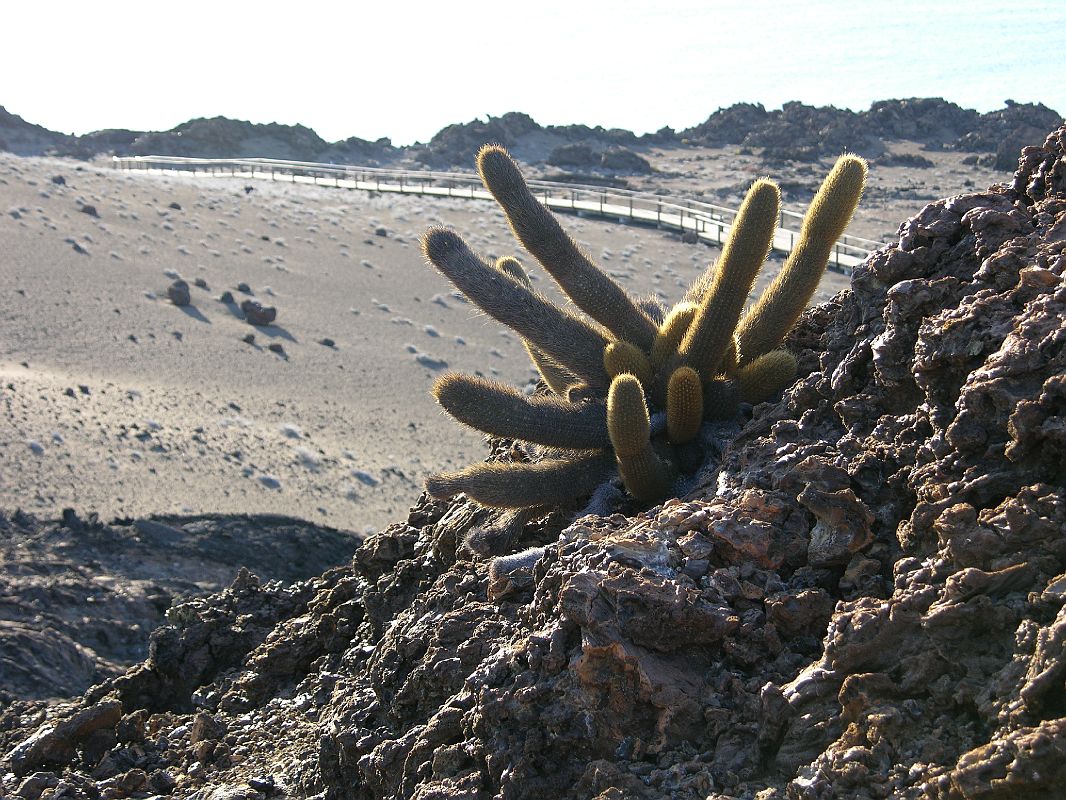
(365, 477)
(178, 292)
(270, 481)
(430, 362)
(258, 314)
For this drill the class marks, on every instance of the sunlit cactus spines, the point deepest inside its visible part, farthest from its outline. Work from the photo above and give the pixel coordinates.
(608, 377)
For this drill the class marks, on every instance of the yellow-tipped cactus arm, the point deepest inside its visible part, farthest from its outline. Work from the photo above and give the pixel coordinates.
(552, 482)
(772, 317)
(509, 265)
(501, 410)
(564, 337)
(766, 377)
(671, 332)
(644, 474)
(711, 332)
(627, 417)
(540, 233)
(622, 357)
(554, 374)
(684, 405)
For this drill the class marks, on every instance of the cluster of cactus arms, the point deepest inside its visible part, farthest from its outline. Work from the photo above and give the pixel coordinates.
(611, 374)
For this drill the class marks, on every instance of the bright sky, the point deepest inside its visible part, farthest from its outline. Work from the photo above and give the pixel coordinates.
(405, 69)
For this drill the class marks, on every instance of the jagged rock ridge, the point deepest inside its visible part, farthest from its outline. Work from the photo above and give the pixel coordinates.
(864, 597)
(796, 131)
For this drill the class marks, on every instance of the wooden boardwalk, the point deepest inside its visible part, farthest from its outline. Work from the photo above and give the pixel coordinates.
(709, 222)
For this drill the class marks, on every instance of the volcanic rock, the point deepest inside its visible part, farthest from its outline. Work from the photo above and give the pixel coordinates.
(620, 159)
(178, 292)
(258, 314)
(573, 155)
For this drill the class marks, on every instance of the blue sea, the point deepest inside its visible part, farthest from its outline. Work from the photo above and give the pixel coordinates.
(849, 54)
(640, 65)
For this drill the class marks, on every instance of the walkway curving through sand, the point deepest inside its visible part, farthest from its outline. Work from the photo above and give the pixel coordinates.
(709, 222)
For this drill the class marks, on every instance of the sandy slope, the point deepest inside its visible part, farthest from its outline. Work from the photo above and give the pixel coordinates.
(117, 401)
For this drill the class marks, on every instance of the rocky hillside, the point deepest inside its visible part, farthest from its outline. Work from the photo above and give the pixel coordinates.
(795, 132)
(864, 597)
(26, 139)
(806, 133)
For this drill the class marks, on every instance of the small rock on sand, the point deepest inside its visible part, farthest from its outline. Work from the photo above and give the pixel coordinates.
(258, 314)
(178, 292)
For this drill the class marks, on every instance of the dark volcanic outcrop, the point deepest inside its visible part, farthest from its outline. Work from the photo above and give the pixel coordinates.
(220, 137)
(806, 133)
(796, 131)
(457, 145)
(78, 597)
(26, 139)
(864, 595)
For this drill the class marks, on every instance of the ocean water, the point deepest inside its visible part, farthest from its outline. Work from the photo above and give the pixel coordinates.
(849, 54)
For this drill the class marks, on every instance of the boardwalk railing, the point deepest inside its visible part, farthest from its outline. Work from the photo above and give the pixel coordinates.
(709, 222)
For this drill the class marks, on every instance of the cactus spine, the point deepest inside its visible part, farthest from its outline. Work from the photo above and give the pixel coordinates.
(697, 362)
(711, 332)
(766, 324)
(643, 473)
(551, 482)
(567, 339)
(671, 332)
(622, 357)
(684, 405)
(501, 410)
(554, 374)
(538, 231)
(763, 378)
